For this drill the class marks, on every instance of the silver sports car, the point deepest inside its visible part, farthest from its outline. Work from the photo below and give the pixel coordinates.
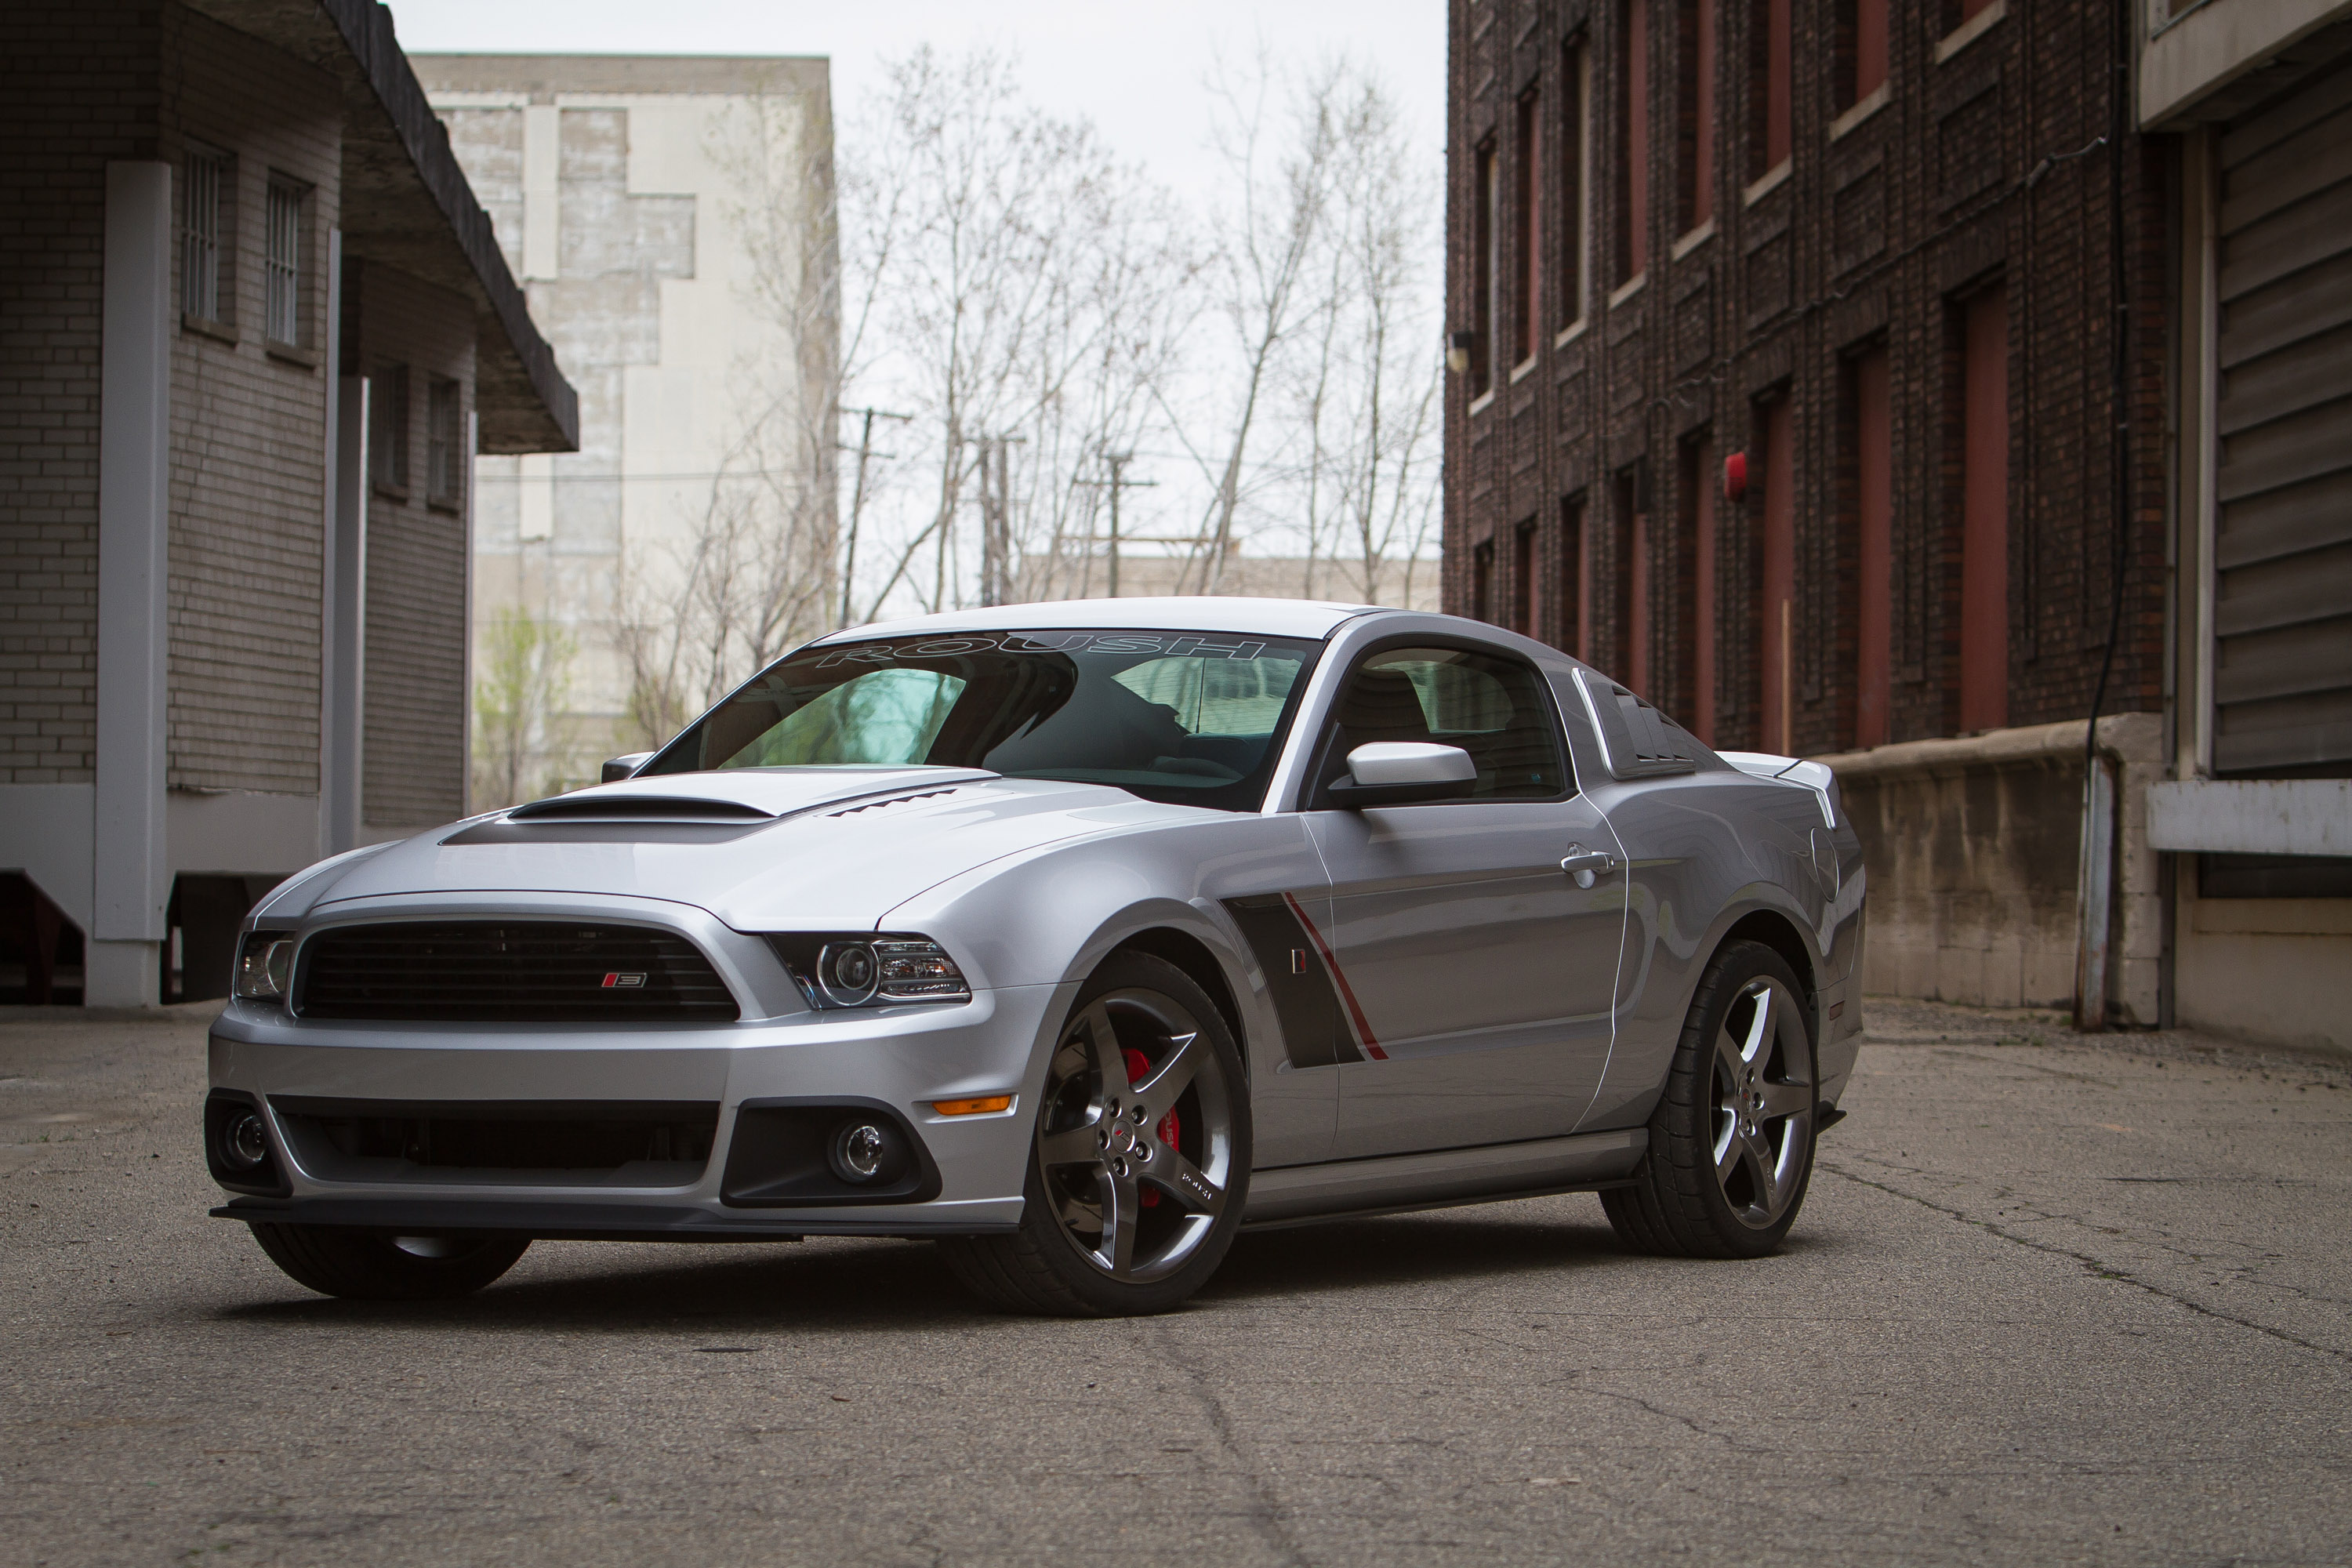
(1077, 936)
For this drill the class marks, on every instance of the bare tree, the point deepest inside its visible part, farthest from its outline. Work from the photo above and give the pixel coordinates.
(1028, 287)
(525, 683)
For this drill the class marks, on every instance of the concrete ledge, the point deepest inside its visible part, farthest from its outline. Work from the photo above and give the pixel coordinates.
(2131, 738)
(1973, 847)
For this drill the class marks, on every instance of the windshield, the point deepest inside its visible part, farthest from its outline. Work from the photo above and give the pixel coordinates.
(1191, 718)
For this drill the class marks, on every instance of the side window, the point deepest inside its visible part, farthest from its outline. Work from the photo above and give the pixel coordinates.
(1494, 708)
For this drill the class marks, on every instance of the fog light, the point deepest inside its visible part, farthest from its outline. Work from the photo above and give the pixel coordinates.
(244, 1142)
(859, 1152)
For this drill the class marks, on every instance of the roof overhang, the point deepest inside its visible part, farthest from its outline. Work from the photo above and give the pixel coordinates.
(405, 204)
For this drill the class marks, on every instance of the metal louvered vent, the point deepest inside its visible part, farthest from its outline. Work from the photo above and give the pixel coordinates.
(892, 800)
(508, 972)
(1642, 741)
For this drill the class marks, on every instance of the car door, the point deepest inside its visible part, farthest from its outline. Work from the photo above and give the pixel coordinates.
(1476, 976)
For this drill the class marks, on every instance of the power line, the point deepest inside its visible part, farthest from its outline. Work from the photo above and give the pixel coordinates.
(1116, 483)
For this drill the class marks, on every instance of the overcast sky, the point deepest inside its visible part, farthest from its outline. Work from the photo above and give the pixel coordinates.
(1135, 69)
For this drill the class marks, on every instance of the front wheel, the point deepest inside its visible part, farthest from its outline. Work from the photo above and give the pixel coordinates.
(375, 1266)
(1139, 1162)
(1731, 1142)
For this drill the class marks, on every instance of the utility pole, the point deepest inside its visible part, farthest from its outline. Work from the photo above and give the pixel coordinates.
(858, 497)
(996, 518)
(1116, 483)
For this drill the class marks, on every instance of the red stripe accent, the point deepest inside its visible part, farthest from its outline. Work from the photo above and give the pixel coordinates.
(1364, 1037)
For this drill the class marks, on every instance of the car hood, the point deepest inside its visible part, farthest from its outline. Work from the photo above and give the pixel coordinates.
(761, 849)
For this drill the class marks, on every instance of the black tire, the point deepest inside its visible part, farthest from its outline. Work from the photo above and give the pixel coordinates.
(1731, 1142)
(375, 1265)
(1048, 1267)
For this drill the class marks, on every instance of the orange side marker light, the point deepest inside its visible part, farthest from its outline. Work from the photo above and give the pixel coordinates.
(982, 1106)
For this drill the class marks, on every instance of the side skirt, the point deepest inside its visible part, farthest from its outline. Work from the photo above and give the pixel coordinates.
(1442, 1178)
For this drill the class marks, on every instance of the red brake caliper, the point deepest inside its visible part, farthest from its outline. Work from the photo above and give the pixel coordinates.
(1138, 1067)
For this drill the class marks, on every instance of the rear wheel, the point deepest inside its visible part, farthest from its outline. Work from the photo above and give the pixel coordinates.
(1139, 1162)
(375, 1266)
(1731, 1142)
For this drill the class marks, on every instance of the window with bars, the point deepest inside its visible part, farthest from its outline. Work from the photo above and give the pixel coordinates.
(445, 443)
(283, 263)
(203, 236)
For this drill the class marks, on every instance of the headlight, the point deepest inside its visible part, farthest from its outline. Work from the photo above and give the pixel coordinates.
(868, 969)
(265, 965)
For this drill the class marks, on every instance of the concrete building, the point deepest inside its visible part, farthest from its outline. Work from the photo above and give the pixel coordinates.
(1821, 370)
(671, 219)
(253, 328)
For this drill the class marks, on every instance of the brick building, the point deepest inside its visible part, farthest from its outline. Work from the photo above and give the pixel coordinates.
(1914, 269)
(253, 328)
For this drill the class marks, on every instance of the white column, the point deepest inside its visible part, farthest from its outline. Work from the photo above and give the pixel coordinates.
(130, 877)
(343, 618)
(343, 683)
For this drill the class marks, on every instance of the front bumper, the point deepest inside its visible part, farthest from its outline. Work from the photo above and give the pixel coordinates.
(904, 1058)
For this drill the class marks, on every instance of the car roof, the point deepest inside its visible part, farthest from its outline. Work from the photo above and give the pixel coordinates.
(1201, 612)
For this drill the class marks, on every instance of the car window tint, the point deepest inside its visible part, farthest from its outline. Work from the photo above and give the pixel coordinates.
(1178, 716)
(1495, 709)
(887, 718)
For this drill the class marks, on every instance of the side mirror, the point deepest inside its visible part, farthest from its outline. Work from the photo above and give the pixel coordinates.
(1404, 772)
(621, 767)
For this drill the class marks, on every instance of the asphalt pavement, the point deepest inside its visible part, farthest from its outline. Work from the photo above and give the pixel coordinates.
(2051, 1299)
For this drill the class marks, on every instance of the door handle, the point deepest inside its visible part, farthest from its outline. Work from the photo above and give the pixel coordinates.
(1585, 864)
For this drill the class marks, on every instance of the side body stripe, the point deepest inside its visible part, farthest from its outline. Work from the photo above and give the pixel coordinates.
(1322, 1025)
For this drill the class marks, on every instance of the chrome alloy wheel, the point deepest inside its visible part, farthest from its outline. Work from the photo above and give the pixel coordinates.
(1136, 1144)
(1762, 1098)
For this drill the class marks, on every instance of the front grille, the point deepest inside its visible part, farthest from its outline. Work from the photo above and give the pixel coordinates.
(508, 972)
(668, 1143)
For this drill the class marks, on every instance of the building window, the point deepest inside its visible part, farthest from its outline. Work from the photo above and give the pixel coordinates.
(1483, 269)
(445, 443)
(1984, 511)
(1482, 582)
(1630, 580)
(203, 237)
(1570, 595)
(1526, 604)
(1526, 244)
(1694, 590)
(1573, 179)
(284, 263)
(1694, 40)
(1861, 50)
(388, 427)
(1866, 546)
(1769, 100)
(1774, 606)
(1632, 139)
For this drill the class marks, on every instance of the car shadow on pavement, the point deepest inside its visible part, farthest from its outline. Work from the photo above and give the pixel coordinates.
(898, 1287)
(890, 1286)
(1406, 1249)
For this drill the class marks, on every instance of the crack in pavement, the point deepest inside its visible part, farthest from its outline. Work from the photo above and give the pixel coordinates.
(1267, 1517)
(2103, 1270)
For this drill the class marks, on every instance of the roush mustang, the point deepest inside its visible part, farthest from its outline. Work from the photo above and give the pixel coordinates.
(1078, 937)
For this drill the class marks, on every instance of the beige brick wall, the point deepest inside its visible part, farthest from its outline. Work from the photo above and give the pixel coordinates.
(248, 431)
(417, 696)
(77, 88)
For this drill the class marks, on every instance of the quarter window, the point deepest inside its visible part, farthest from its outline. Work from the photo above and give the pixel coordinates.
(1496, 709)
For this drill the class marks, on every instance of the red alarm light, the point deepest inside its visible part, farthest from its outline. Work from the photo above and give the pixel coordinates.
(1735, 476)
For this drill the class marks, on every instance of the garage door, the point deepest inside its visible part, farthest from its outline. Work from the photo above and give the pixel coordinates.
(2282, 610)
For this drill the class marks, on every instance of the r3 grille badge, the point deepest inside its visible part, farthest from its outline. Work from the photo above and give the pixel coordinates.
(617, 981)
